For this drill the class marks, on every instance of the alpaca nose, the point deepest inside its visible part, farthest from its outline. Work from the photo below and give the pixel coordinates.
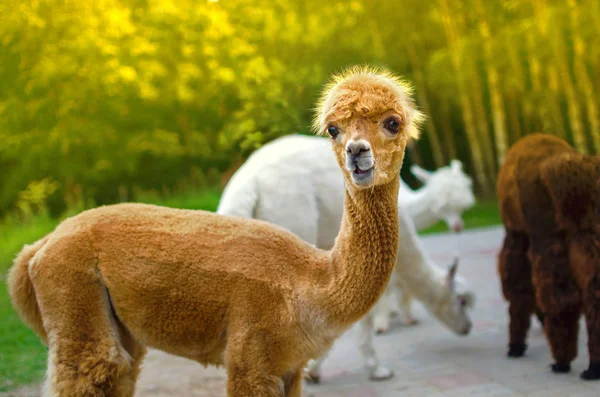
(357, 147)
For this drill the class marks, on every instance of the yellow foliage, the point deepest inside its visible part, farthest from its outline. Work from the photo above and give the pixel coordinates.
(33, 199)
(94, 91)
(127, 73)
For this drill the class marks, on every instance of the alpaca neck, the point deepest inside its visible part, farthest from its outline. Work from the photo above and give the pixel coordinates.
(415, 271)
(364, 254)
(418, 204)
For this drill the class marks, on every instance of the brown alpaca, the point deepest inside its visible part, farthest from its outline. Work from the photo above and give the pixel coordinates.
(549, 199)
(222, 290)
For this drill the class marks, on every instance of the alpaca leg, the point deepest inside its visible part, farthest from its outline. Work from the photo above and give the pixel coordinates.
(292, 383)
(125, 384)
(244, 381)
(393, 301)
(406, 304)
(592, 319)
(515, 273)
(251, 365)
(540, 316)
(85, 357)
(380, 314)
(365, 343)
(558, 298)
(561, 331)
(314, 369)
(247, 379)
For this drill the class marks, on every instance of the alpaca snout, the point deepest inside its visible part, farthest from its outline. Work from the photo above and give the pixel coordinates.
(457, 227)
(359, 157)
(357, 147)
(359, 162)
(361, 167)
(466, 329)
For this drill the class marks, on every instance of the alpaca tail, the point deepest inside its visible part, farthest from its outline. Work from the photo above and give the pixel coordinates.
(21, 291)
(240, 196)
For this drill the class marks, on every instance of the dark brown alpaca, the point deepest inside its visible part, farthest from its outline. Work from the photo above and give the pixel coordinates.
(549, 198)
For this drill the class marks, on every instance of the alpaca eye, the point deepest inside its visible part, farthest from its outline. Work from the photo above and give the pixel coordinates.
(333, 131)
(392, 125)
(462, 301)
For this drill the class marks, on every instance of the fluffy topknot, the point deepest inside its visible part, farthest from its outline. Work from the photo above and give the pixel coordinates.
(367, 91)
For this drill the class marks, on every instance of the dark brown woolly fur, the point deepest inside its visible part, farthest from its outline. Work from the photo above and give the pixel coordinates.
(549, 198)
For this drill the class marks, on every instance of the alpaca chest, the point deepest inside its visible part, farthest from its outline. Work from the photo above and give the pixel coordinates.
(316, 333)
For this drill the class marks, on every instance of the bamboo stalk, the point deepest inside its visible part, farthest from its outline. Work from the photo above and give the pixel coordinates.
(467, 110)
(498, 116)
(583, 79)
(554, 101)
(557, 42)
(432, 133)
(517, 91)
(445, 124)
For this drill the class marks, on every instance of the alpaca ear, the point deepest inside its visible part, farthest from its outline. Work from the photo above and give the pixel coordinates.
(452, 273)
(456, 165)
(420, 173)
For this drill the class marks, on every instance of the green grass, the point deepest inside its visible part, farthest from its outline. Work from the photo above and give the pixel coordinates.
(485, 213)
(194, 200)
(23, 357)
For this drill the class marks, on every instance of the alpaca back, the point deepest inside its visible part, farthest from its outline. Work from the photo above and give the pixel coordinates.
(293, 182)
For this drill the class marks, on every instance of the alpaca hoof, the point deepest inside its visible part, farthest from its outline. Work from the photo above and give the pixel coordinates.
(516, 349)
(381, 325)
(540, 316)
(381, 330)
(558, 368)
(312, 372)
(593, 372)
(381, 373)
(410, 321)
(313, 379)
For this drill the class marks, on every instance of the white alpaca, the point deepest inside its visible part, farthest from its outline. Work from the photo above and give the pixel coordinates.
(446, 193)
(290, 182)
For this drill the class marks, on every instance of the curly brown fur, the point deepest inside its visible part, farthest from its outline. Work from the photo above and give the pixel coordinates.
(550, 194)
(216, 289)
(515, 275)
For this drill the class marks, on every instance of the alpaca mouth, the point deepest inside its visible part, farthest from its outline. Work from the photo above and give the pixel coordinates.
(362, 177)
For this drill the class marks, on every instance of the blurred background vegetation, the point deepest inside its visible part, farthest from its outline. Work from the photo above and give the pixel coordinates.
(160, 100)
(102, 101)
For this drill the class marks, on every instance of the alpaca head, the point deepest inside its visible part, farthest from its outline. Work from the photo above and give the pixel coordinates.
(451, 191)
(370, 117)
(455, 302)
